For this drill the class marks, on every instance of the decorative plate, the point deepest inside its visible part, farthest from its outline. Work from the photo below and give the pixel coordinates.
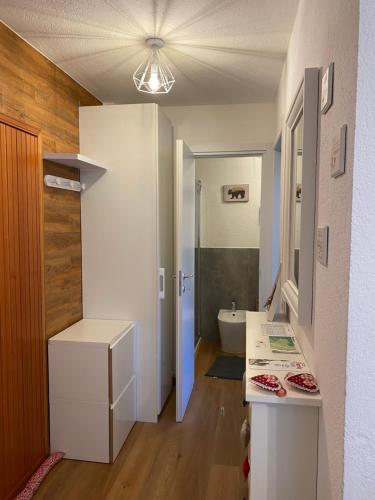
(270, 383)
(304, 381)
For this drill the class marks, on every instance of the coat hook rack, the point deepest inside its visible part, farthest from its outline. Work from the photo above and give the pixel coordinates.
(61, 183)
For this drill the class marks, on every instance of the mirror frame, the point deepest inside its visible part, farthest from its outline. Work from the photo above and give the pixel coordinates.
(300, 300)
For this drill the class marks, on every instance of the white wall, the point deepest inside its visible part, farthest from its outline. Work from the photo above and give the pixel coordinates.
(224, 127)
(326, 31)
(229, 225)
(281, 101)
(359, 479)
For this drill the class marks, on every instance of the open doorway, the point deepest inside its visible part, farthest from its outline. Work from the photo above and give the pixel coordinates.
(224, 220)
(227, 253)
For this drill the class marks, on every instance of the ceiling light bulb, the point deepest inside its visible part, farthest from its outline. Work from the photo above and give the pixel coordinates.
(154, 81)
(153, 76)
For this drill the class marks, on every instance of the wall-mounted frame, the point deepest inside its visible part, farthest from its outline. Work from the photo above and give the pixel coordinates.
(301, 138)
(233, 193)
(326, 96)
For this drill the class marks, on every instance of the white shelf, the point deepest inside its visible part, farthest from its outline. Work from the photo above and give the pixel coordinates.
(75, 160)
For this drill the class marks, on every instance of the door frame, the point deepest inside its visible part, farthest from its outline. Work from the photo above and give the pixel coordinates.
(267, 152)
(30, 129)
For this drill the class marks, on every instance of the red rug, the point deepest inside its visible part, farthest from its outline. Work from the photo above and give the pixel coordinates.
(36, 479)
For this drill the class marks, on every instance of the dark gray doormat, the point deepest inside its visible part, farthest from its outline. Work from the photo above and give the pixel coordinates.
(229, 367)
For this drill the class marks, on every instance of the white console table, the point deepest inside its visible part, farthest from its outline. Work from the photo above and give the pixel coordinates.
(284, 431)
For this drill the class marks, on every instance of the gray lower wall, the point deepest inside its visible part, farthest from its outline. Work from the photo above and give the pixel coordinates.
(226, 274)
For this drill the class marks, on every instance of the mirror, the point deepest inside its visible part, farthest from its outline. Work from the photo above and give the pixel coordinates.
(296, 194)
(301, 136)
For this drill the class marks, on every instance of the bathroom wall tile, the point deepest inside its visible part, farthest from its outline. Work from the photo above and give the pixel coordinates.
(226, 274)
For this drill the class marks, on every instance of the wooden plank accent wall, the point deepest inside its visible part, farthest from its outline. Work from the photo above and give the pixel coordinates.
(23, 408)
(63, 269)
(35, 91)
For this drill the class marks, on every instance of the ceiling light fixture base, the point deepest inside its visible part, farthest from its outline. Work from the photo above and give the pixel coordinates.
(155, 43)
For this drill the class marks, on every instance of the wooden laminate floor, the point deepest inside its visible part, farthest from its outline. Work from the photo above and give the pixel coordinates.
(198, 459)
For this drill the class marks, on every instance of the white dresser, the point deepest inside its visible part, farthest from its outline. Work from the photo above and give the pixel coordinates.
(283, 445)
(92, 388)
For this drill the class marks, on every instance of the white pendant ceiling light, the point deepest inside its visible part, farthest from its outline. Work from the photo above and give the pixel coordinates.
(153, 76)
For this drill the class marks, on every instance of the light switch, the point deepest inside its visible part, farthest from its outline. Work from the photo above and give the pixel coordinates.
(338, 158)
(322, 245)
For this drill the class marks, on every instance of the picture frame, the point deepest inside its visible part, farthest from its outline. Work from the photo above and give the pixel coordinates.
(326, 97)
(234, 193)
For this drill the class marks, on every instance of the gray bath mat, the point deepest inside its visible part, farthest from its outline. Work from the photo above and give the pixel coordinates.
(229, 367)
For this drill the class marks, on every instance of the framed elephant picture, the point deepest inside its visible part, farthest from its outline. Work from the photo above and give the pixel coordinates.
(236, 193)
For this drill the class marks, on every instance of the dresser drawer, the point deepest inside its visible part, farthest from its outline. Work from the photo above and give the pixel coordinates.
(121, 364)
(122, 418)
(80, 429)
(78, 371)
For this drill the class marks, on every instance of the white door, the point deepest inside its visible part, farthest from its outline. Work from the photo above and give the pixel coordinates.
(185, 248)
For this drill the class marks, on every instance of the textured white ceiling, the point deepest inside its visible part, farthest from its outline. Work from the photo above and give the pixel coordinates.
(220, 51)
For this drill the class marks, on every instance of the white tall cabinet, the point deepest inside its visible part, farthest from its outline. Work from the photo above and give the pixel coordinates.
(127, 236)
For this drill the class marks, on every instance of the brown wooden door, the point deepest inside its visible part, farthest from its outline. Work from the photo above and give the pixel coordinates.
(23, 413)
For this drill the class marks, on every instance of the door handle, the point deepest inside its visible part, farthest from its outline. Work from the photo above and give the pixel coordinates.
(181, 278)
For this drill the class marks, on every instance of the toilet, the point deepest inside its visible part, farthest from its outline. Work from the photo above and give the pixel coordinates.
(232, 328)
